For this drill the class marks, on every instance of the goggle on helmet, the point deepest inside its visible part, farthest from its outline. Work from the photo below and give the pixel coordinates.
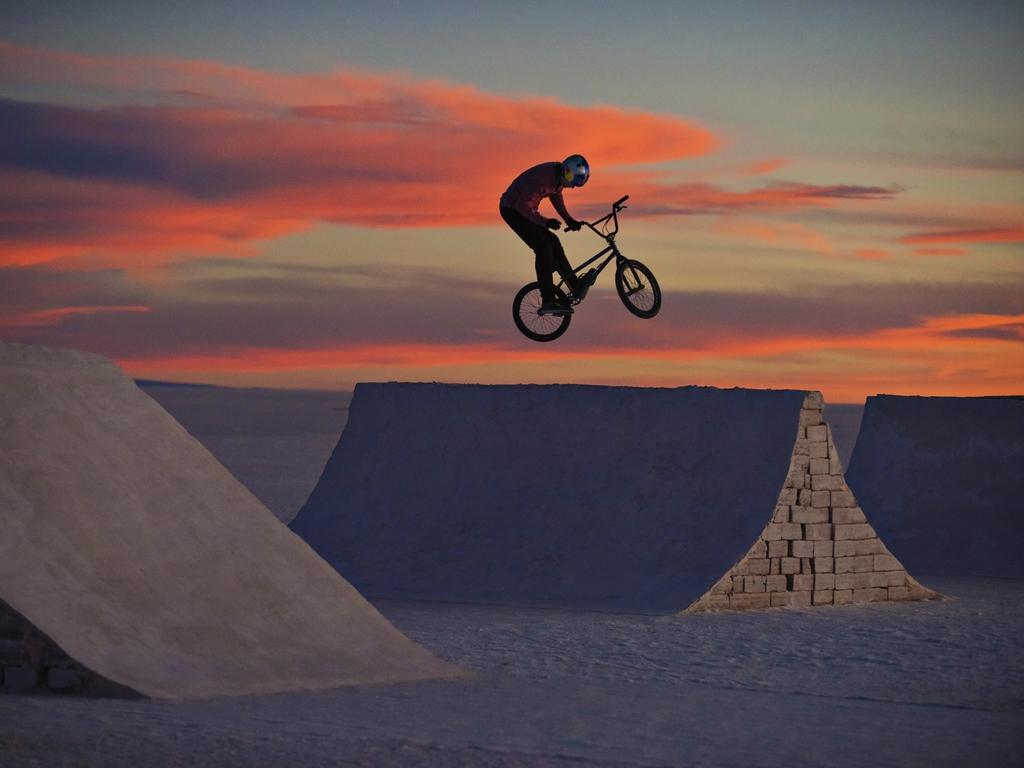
(575, 171)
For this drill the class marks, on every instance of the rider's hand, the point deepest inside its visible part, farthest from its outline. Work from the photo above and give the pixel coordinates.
(554, 224)
(574, 225)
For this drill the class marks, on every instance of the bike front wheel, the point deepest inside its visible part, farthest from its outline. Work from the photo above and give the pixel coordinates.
(637, 288)
(530, 322)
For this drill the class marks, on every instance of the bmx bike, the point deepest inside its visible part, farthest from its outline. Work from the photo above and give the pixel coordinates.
(634, 283)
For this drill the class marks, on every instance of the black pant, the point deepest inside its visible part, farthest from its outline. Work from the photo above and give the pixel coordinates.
(548, 248)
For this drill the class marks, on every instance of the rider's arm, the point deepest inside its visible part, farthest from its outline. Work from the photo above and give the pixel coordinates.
(559, 203)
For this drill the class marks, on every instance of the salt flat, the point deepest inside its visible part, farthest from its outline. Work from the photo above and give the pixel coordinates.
(936, 684)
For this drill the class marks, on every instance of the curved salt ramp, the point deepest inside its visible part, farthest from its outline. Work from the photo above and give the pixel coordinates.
(609, 498)
(136, 558)
(944, 480)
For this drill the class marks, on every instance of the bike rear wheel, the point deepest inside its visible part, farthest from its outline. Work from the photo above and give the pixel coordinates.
(529, 321)
(637, 288)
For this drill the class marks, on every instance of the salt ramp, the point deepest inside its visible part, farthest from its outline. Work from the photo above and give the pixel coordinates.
(944, 480)
(611, 498)
(125, 544)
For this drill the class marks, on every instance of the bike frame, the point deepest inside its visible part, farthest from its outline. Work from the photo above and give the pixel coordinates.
(612, 251)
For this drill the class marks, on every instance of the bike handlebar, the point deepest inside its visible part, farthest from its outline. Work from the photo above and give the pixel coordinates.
(620, 201)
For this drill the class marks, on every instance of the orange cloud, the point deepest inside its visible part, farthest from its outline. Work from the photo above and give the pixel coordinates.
(871, 254)
(940, 252)
(201, 157)
(987, 235)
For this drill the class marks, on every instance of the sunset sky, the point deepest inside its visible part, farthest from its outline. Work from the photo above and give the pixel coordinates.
(262, 194)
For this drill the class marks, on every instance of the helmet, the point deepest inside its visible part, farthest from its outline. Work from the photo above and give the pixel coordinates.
(575, 171)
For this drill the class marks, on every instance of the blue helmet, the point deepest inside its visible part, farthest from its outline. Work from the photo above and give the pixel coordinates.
(575, 171)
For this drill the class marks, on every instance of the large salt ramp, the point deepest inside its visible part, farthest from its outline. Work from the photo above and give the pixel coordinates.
(128, 555)
(609, 498)
(944, 480)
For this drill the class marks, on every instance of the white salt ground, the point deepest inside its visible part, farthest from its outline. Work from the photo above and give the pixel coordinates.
(930, 684)
(922, 684)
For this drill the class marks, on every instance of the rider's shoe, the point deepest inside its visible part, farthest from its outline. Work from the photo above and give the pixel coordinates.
(555, 307)
(583, 283)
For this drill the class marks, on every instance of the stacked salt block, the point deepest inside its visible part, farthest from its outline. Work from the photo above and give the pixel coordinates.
(30, 660)
(819, 548)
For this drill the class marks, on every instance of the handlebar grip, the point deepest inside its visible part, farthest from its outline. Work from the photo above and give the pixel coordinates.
(620, 201)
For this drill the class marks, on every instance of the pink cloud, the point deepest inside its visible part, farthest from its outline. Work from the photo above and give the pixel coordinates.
(227, 156)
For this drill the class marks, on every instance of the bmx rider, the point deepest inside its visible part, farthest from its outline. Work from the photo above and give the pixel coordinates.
(518, 207)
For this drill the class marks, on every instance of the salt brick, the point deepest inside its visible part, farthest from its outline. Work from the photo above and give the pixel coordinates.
(824, 565)
(784, 599)
(842, 596)
(844, 564)
(760, 549)
(814, 399)
(757, 567)
(818, 450)
(843, 499)
(823, 598)
(806, 565)
(886, 563)
(801, 448)
(753, 583)
(776, 583)
(819, 466)
(818, 532)
(801, 462)
(853, 580)
(801, 583)
(863, 563)
(880, 579)
(835, 466)
(778, 548)
(810, 417)
(821, 498)
(775, 568)
(787, 496)
(796, 479)
(826, 482)
(809, 515)
(853, 531)
(772, 532)
(899, 593)
(823, 549)
(758, 600)
(802, 549)
(817, 434)
(803, 499)
(714, 603)
(781, 514)
(860, 547)
(847, 515)
(870, 595)
(722, 587)
(737, 584)
(790, 565)
(792, 531)
(824, 581)
(896, 579)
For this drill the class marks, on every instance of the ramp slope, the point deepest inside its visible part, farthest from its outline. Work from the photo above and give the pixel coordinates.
(591, 497)
(944, 480)
(125, 543)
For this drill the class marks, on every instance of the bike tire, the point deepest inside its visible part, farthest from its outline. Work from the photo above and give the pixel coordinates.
(530, 323)
(638, 288)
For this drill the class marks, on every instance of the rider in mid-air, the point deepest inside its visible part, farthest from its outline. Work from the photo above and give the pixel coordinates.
(518, 207)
